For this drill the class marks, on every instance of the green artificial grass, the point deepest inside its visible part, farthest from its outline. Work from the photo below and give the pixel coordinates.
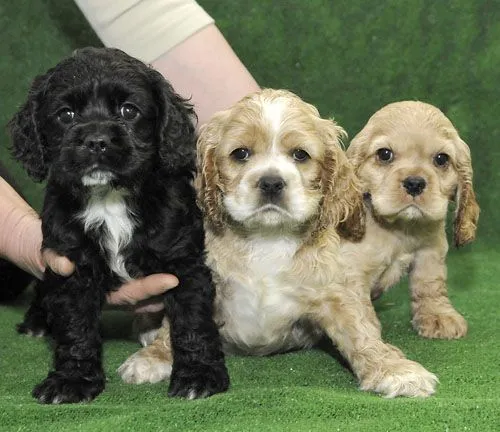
(348, 57)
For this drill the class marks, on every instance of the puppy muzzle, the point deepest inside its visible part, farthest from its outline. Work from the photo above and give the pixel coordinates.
(99, 145)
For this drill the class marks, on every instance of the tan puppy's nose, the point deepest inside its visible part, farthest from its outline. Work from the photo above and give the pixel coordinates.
(271, 185)
(414, 185)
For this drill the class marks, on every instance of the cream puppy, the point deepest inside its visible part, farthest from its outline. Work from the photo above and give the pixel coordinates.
(412, 163)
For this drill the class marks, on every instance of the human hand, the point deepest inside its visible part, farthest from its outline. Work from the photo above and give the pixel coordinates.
(140, 294)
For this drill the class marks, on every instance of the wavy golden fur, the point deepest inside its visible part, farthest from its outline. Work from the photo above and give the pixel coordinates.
(341, 204)
(284, 238)
(409, 224)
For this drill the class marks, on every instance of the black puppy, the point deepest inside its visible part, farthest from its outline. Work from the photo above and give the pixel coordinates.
(117, 146)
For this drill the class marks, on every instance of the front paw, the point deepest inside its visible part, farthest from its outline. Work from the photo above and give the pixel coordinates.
(400, 377)
(445, 325)
(61, 387)
(31, 329)
(34, 324)
(198, 381)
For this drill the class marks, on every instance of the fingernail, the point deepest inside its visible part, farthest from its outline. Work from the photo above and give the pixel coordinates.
(172, 283)
(63, 268)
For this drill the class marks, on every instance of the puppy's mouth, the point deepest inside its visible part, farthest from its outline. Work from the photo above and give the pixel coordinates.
(272, 208)
(97, 176)
(409, 211)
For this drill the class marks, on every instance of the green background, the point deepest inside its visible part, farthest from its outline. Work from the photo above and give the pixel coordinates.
(348, 57)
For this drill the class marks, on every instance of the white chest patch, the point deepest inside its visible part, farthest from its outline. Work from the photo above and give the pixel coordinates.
(264, 303)
(107, 210)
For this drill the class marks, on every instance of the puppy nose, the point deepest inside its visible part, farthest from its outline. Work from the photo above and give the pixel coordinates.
(271, 185)
(414, 185)
(97, 143)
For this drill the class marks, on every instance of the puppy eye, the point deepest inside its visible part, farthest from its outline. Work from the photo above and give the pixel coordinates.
(240, 154)
(441, 159)
(66, 116)
(385, 155)
(129, 111)
(300, 155)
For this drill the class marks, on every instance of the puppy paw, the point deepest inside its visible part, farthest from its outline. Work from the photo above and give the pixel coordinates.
(196, 382)
(60, 388)
(446, 325)
(138, 369)
(401, 378)
(32, 328)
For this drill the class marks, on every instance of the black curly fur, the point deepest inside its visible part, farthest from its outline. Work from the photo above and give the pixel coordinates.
(13, 281)
(152, 158)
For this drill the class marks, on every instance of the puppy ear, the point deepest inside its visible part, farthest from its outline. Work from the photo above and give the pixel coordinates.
(355, 152)
(207, 182)
(467, 208)
(342, 204)
(28, 145)
(176, 126)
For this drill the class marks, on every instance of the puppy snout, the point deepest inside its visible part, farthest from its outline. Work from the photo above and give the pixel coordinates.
(271, 185)
(414, 185)
(97, 142)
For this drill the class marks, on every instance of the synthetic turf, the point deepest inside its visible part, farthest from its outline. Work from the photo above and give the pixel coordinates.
(349, 58)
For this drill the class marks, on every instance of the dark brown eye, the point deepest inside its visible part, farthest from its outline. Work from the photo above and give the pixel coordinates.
(385, 155)
(66, 116)
(129, 111)
(240, 154)
(441, 159)
(300, 155)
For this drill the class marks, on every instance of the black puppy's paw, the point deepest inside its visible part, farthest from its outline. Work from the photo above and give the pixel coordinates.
(60, 387)
(200, 381)
(33, 325)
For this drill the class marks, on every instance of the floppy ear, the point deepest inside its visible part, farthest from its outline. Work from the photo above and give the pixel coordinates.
(176, 126)
(207, 182)
(467, 208)
(356, 152)
(342, 204)
(28, 145)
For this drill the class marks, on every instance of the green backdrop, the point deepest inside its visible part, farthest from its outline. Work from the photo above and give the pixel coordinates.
(348, 57)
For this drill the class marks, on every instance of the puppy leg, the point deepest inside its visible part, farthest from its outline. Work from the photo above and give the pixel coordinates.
(146, 326)
(13, 281)
(199, 369)
(35, 318)
(153, 363)
(433, 314)
(73, 307)
(352, 325)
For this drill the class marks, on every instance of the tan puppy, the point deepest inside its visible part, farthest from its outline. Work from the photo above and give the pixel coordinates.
(412, 162)
(283, 211)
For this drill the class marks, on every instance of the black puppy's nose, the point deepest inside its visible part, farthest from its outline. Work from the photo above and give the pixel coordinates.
(414, 185)
(271, 185)
(97, 142)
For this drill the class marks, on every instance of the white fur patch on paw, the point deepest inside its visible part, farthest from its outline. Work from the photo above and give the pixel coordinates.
(37, 334)
(404, 378)
(193, 394)
(138, 369)
(146, 338)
